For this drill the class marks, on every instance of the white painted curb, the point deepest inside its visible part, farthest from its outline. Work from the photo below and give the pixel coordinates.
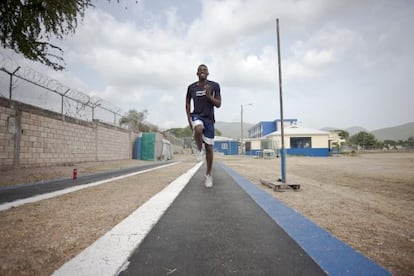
(108, 254)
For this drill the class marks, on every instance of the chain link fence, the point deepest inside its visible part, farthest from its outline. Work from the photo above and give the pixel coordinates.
(24, 84)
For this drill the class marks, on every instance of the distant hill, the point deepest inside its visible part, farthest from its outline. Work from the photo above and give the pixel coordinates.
(232, 130)
(350, 130)
(355, 129)
(401, 132)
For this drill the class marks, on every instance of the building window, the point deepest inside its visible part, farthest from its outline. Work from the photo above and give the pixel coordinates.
(266, 144)
(300, 142)
(224, 146)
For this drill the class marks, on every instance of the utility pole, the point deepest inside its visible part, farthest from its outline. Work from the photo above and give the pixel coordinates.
(271, 184)
(241, 129)
(282, 131)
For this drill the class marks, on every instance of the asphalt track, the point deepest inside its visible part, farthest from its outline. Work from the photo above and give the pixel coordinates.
(232, 229)
(22, 191)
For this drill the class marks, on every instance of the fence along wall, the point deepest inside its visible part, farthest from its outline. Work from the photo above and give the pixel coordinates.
(32, 137)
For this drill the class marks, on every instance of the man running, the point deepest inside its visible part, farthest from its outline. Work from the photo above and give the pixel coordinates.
(205, 95)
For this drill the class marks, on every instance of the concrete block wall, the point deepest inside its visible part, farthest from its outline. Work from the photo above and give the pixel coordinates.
(112, 144)
(6, 136)
(33, 137)
(47, 141)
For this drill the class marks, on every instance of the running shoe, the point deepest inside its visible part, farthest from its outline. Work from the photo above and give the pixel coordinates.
(200, 155)
(209, 181)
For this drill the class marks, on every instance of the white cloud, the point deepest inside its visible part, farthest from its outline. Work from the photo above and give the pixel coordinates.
(332, 52)
(167, 99)
(318, 58)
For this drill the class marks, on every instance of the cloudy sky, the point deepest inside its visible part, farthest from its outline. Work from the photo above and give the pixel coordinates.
(344, 63)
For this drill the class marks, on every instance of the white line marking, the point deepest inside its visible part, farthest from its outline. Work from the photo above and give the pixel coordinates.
(109, 254)
(36, 198)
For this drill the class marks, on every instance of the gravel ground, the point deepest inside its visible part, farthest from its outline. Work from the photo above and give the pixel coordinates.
(364, 200)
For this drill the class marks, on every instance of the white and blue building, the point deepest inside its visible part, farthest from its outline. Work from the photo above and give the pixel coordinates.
(227, 146)
(265, 127)
(297, 140)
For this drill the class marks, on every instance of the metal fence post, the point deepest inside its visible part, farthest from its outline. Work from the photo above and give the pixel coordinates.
(11, 82)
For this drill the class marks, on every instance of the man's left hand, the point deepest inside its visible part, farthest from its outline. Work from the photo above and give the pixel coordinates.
(208, 91)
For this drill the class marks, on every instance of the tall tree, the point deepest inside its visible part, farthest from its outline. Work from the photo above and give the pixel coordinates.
(344, 134)
(181, 132)
(410, 142)
(134, 120)
(27, 26)
(364, 139)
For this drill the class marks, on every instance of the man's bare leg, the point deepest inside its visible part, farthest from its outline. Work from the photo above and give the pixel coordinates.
(209, 158)
(198, 136)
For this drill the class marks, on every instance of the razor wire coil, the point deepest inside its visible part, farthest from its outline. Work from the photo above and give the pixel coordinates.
(26, 73)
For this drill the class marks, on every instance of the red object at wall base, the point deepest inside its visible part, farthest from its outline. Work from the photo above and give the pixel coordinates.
(75, 174)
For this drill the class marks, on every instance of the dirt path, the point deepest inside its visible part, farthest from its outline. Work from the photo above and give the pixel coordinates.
(366, 201)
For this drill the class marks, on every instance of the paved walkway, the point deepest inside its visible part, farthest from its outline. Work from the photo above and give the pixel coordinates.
(218, 231)
(237, 229)
(234, 228)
